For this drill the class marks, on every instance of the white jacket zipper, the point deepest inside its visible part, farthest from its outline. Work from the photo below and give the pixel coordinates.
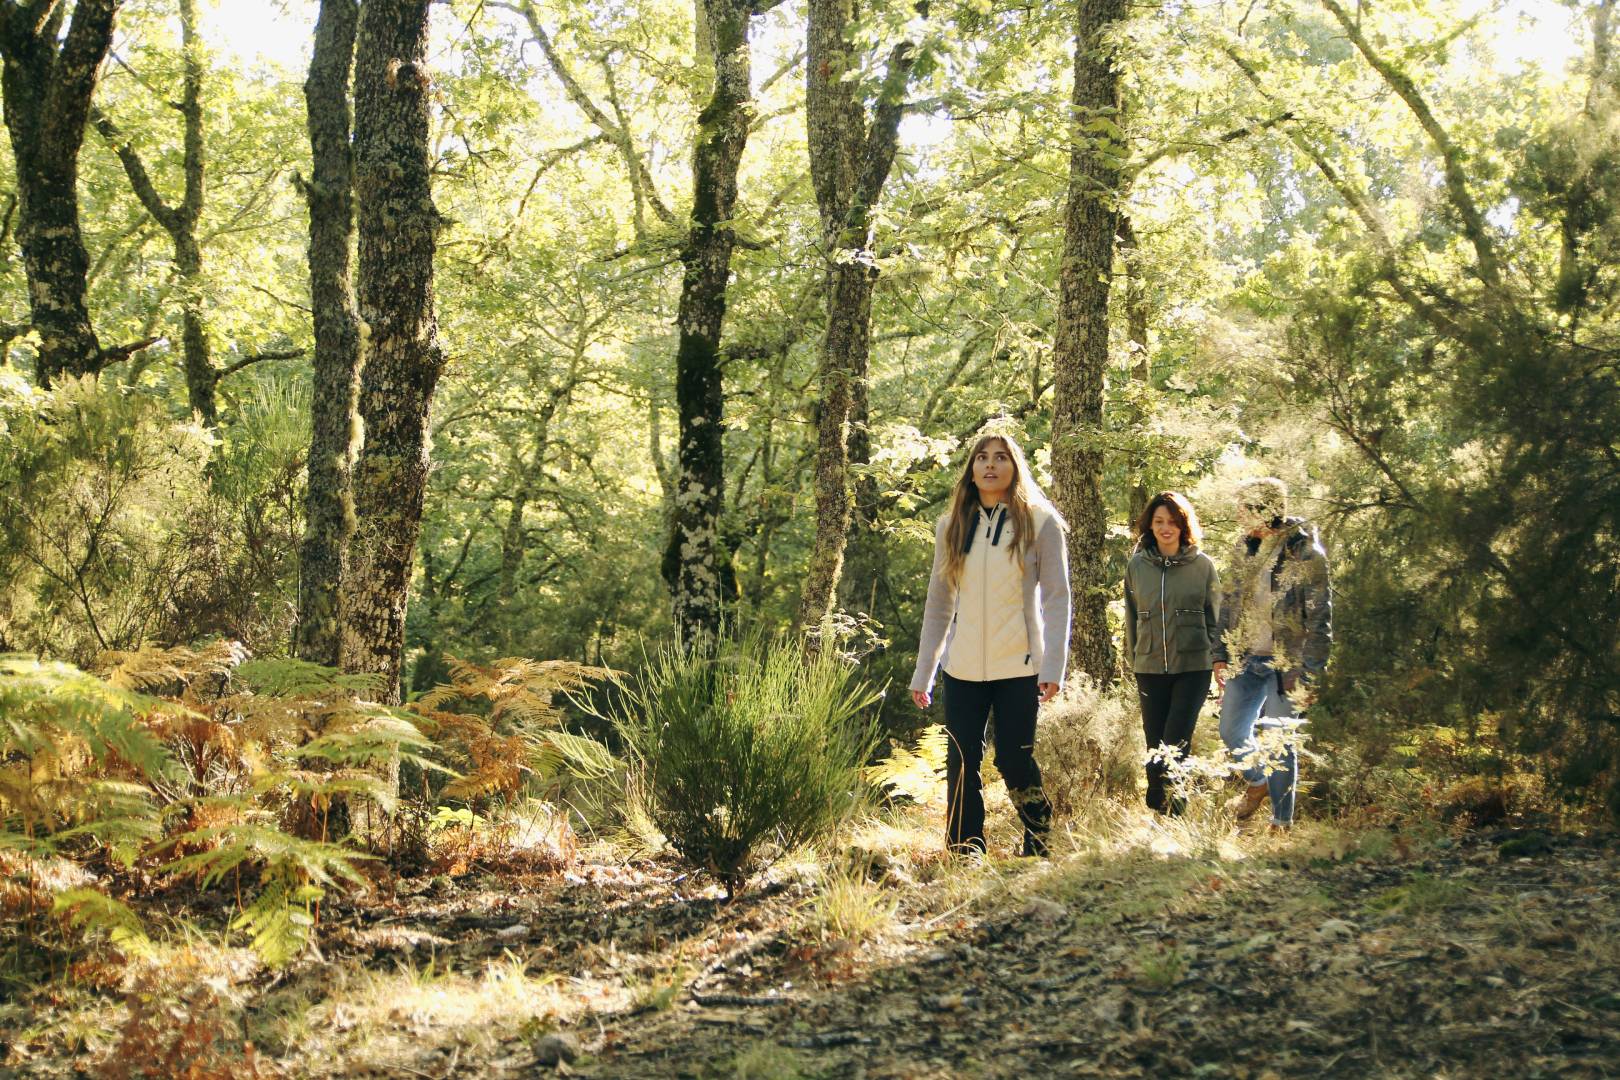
(984, 599)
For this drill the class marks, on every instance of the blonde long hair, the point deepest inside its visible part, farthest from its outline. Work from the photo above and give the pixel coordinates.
(1023, 495)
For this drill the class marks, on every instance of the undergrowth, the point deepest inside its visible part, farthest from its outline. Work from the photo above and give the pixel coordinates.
(273, 782)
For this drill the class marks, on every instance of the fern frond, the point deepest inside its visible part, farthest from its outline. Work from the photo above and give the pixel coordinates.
(282, 854)
(48, 707)
(321, 788)
(286, 678)
(375, 738)
(92, 910)
(280, 922)
(516, 687)
(117, 813)
(917, 774)
(150, 668)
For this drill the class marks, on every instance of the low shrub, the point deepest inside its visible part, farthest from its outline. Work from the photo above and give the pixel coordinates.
(746, 746)
(1089, 744)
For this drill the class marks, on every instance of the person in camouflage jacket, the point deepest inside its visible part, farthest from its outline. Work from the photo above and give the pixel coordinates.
(1276, 633)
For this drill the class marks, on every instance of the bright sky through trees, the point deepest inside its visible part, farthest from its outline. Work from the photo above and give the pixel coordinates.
(1527, 31)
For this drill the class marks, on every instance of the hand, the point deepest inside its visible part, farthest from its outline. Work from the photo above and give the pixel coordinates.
(921, 699)
(1048, 691)
(1220, 674)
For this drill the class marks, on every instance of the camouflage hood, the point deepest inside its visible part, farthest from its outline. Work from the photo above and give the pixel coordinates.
(1301, 607)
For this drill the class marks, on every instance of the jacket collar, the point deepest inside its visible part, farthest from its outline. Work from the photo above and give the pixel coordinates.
(1148, 548)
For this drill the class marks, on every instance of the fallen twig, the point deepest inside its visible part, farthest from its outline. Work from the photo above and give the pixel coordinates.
(713, 1000)
(824, 1039)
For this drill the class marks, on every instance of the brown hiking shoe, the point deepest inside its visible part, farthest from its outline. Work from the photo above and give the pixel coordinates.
(1252, 798)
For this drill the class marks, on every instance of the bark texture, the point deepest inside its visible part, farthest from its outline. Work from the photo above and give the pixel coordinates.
(697, 564)
(329, 497)
(46, 83)
(402, 360)
(180, 220)
(850, 158)
(1091, 218)
(1136, 332)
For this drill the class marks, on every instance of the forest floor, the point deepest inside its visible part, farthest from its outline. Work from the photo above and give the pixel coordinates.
(1144, 948)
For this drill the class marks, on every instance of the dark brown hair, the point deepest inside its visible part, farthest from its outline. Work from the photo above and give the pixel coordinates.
(1192, 534)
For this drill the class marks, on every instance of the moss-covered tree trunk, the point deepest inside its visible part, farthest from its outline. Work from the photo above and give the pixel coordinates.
(402, 360)
(1091, 218)
(1136, 333)
(849, 164)
(329, 497)
(46, 85)
(697, 564)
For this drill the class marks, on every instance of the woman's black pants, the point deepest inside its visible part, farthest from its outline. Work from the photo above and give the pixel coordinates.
(1170, 705)
(968, 706)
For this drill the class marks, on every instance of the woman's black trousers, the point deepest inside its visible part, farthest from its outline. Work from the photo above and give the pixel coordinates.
(968, 705)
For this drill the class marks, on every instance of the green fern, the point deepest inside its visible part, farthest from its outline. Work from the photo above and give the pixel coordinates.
(371, 735)
(294, 875)
(93, 911)
(914, 773)
(322, 789)
(280, 921)
(282, 855)
(299, 678)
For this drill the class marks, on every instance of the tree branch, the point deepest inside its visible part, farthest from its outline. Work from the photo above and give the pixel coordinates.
(87, 39)
(134, 168)
(1363, 209)
(246, 361)
(119, 353)
(576, 93)
(1451, 156)
(1178, 147)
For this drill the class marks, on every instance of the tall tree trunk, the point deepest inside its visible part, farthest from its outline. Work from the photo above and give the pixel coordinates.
(849, 164)
(864, 555)
(1136, 330)
(201, 378)
(180, 221)
(697, 562)
(46, 89)
(1080, 350)
(402, 359)
(329, 498)
(530, 474)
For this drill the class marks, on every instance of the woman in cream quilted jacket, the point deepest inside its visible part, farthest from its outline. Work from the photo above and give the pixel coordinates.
(997, 617)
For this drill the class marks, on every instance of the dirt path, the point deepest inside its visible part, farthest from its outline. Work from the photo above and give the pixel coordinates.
(1320, 953)
(1456, 962)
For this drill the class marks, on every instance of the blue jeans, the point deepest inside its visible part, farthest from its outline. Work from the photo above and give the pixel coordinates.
(1254, 700)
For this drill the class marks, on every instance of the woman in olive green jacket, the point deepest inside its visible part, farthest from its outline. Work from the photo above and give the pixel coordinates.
(1172, 621)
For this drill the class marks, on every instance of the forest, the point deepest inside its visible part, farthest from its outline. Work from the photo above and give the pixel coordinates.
(469, 474)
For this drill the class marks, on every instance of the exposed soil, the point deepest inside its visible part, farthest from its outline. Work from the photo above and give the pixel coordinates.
(1318, 953)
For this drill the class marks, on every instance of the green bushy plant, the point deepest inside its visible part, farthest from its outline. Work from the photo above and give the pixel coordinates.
(98, 486)
(122, 525)
(747, 747)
